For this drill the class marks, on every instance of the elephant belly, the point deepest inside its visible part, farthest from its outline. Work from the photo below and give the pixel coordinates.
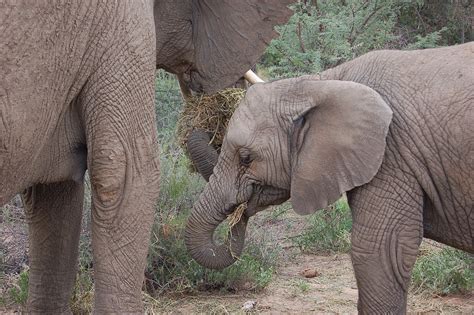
(46, 55)
(450, 220)
(29, 158)
(448, 181)
(449, 233)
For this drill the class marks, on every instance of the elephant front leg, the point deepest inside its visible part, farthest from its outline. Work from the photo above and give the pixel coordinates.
(117, 105)
(124, 171)
(125, 188)
(386, 233)
(54, 220)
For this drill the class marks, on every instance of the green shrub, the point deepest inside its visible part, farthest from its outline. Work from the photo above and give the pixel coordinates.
(19, 292)
(446, 271)
(328, 230)
(431, 40)
(323, 34)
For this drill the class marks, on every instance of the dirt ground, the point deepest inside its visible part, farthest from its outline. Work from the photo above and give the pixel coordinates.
(332, 290)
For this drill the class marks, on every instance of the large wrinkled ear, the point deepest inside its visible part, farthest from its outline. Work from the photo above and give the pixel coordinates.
(337, 141)
(229, 36)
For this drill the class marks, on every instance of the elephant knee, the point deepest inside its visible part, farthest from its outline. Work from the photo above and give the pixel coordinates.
(108, 173)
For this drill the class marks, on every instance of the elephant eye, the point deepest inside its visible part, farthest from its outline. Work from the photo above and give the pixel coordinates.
(245, 160)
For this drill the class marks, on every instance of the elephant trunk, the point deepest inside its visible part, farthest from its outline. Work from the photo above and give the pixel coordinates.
(203, 155)
(199, 233)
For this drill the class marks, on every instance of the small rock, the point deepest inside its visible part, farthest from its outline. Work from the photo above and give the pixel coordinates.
(310, 273)
(249, 305)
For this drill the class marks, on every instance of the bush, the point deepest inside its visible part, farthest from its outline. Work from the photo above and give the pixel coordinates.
(328, 230)
(323, 34)
(431, 40)
(446, 271)
(19, 292)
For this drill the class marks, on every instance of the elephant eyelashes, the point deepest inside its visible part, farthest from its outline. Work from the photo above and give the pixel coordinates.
(245, 160)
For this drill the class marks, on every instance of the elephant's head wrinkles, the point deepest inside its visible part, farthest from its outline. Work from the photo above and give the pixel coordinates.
(210, 44)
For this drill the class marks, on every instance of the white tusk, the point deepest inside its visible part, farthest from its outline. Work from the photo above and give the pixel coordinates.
(252, 77)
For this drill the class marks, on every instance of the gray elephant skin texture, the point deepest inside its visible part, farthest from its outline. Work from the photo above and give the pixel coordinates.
(77, 92)
(392, 129)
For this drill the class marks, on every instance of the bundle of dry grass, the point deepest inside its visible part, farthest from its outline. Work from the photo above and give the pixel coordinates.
(210, 113)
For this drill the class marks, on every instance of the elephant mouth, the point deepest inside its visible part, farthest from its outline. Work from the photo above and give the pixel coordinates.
(265, 196)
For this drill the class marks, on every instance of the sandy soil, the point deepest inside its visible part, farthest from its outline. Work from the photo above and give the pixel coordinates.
(333, 289)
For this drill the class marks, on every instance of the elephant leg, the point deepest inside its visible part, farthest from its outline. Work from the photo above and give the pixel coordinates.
(123, 163)
(54, 214)
(123, 200)
(387, 231)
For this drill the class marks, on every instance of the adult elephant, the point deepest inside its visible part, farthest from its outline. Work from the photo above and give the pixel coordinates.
(393, 129)
(77, 92)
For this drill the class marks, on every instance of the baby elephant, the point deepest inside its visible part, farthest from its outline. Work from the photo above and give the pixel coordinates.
(393, 129)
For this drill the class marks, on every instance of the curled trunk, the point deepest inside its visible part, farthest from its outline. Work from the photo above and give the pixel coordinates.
(208, 212)
(203, 155)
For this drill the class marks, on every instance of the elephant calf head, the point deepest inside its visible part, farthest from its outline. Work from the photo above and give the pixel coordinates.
(301, 138)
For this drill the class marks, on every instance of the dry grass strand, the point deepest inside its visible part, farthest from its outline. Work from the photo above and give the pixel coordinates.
(210, 113)
(235, 216)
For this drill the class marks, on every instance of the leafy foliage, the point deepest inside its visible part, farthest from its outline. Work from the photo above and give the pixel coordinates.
(322, 34)
(429, 41)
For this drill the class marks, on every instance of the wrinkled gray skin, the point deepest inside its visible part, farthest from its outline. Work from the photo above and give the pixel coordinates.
(202, 152)
(77, 93)
(393, 129)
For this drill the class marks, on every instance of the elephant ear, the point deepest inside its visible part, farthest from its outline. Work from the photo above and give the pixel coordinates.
(229, 36)
(337, 141)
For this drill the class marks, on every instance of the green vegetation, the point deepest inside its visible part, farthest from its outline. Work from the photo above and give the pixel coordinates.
(328, 230)
(444, 271)
(301, 286)
(322, 34)
(19, 292)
